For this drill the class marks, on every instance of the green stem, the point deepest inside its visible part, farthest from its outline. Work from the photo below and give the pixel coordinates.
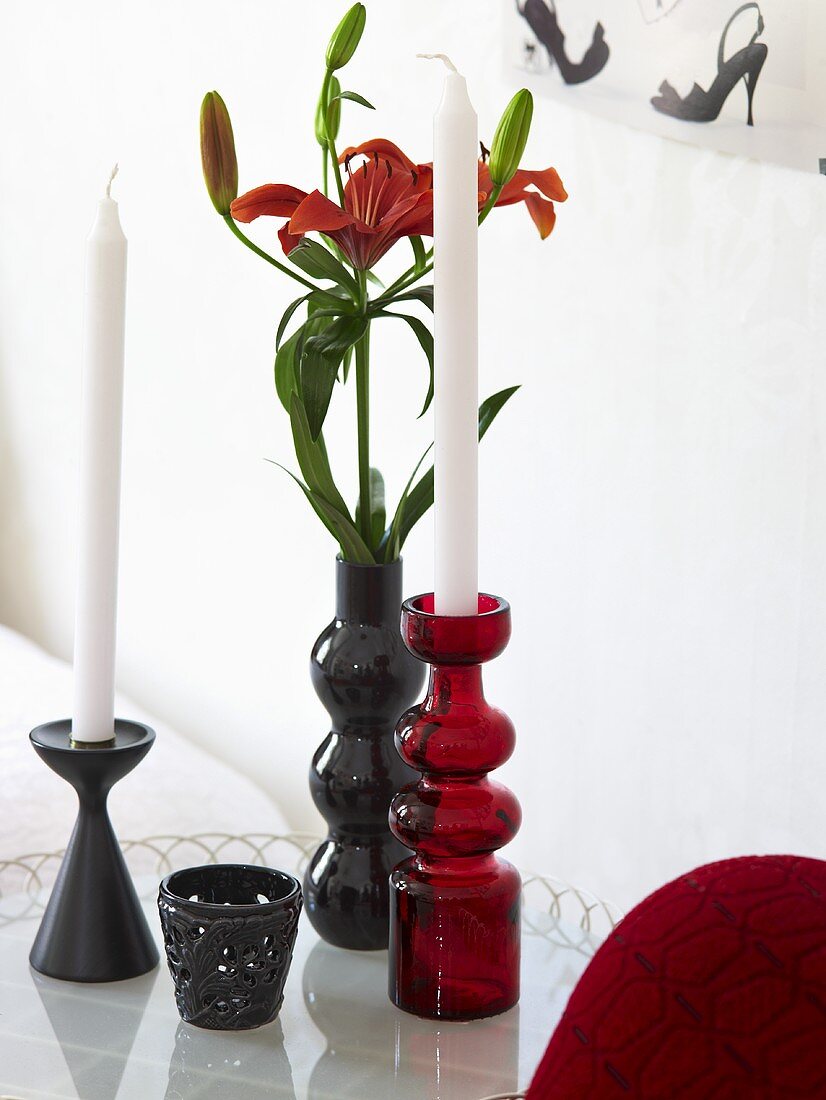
(363, 416)
(331, 145)
(266, 256)
(492, 200)
(325, 175)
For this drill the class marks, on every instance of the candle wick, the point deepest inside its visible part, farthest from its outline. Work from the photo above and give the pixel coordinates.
(439, 57)
(112, 175)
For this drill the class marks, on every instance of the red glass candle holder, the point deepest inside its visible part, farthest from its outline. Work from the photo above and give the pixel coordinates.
(455, 905)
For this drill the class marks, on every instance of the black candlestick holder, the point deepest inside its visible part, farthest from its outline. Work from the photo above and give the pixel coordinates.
(94, 929)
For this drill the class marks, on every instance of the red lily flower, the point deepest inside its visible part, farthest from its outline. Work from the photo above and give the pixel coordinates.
(547, 189)
(386, 197)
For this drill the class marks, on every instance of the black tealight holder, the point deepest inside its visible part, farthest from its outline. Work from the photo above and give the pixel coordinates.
(94, 929)
(229, 932)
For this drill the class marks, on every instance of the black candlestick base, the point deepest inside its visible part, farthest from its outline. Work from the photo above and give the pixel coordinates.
(94, 929)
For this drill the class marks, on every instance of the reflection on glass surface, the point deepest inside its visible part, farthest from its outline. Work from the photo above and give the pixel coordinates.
(236, 1064)
(95, 1032)
(370, 1043)
(451, 1061)
(345, 995)
(342, 1038)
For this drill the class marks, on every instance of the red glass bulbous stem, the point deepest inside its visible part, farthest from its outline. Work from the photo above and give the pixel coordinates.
(455, 906)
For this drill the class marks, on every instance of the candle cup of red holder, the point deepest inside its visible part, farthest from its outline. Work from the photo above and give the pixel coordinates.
(455, 905)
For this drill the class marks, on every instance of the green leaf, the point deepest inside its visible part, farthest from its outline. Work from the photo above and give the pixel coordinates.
(312, 458)
(353, 547)
(316, 300)
(425, 338)
(419, 254)
(318, 376)
(316, 313)
(378, 513)
(314, 309)
(346, 364)
(287, 317)
(286, 368)
(288, 356)
(391, 543)
(334, 297)
(492, 406)
(320, 358)
(423, 294)
(319, 263)
(318, 319)
(420, 498)
(354, 97)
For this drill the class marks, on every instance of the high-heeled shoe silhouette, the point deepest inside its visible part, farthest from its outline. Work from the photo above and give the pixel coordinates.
(543, 22)
(745, 65)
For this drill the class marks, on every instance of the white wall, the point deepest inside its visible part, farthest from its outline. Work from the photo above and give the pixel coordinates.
(653, 501)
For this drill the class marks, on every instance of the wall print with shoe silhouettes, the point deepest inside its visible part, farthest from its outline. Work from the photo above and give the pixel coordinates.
(765, 98)
(745, 65)
(541, 18)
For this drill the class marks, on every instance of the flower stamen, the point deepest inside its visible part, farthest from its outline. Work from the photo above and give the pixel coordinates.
(373, 209)
(352, 192)
(368, 210)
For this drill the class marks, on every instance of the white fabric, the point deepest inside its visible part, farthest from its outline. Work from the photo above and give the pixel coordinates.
(177, 789)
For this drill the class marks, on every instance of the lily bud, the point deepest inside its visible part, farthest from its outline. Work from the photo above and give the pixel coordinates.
(346, 37)
(333, 89)
(218, 153)
(510, 138)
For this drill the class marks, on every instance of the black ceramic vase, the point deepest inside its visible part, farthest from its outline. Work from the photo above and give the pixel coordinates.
(366, 679)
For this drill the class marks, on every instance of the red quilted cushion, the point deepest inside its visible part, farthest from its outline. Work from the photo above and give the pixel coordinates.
(714, 988)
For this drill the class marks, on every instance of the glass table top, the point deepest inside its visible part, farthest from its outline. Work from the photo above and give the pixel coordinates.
(337, 1036)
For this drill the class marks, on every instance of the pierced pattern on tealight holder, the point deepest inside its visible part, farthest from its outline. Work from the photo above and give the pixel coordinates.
(229, 942)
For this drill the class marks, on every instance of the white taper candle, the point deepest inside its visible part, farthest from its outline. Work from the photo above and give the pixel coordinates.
(455, 279)
(100, 464)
